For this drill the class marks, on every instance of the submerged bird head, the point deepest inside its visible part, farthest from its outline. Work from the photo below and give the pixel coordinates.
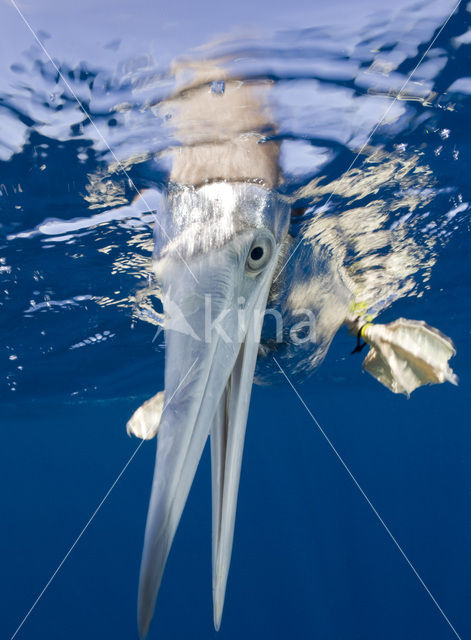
(218, 245)
(222, 244)
(216, 255)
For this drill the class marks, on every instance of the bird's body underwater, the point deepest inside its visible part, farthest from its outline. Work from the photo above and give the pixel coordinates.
(220, 246)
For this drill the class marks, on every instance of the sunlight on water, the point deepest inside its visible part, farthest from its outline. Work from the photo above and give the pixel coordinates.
(361, 155)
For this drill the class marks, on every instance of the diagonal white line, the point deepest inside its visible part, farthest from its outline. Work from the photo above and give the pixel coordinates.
(92, 122)
(398, 95)
(90, 520)
(370, 504)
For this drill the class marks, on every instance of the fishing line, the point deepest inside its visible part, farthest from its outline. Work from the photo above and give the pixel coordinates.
(375, 128)
(89, 117)
(92, 517)
(370, 504)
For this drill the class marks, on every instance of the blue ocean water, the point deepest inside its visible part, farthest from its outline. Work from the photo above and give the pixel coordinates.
(80, 350)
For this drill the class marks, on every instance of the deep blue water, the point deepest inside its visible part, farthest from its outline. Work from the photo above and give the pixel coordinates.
(78, 353)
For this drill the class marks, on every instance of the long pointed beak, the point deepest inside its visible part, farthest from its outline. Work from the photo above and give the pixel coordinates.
(227, 443)
(212, 338)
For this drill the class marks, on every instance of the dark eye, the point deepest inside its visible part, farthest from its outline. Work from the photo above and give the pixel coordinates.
(260, 253)
(256, 253)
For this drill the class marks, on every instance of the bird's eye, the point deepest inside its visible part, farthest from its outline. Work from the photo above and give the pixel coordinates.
(259, 254)
(256, 253)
